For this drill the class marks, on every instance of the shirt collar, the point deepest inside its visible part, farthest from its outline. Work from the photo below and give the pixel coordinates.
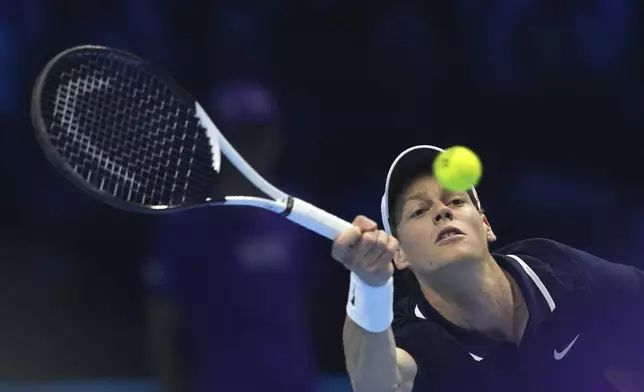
(538, 299)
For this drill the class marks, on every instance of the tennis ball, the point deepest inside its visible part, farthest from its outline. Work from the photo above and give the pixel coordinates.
(457, 169)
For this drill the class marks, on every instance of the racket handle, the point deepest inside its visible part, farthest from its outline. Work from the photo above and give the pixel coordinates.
(317, 220)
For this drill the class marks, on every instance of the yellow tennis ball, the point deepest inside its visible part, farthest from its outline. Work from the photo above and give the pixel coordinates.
(457, 169)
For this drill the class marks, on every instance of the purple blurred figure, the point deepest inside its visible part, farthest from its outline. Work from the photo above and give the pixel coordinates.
(227, 285)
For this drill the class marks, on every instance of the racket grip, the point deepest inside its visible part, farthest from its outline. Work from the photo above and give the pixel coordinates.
(317, 220)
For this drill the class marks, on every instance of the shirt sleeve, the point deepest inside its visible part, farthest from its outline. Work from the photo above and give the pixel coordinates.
(416, 337)
(406, 331)
(617, 293)
(404, 327)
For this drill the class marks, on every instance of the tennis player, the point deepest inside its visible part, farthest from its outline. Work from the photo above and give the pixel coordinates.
(536, 315)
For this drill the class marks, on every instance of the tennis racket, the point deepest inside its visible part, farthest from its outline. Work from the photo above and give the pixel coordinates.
(133, 138)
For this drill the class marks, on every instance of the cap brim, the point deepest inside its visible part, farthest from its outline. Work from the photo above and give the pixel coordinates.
(409, 163)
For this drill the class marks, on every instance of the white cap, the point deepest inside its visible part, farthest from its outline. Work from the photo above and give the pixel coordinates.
(409, 163)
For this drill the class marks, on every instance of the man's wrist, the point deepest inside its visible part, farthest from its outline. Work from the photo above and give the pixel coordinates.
(370, 307)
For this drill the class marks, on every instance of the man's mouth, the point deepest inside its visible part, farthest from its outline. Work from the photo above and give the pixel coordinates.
(448, 232)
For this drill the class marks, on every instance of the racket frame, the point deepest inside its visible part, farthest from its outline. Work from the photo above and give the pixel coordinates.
(294, 209)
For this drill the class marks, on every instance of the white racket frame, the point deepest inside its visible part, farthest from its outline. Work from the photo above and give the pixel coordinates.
(292, 208)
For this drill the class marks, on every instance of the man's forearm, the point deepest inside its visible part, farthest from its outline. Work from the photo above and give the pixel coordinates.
(371, 359)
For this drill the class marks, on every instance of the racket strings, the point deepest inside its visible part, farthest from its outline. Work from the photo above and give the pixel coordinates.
(126, 132)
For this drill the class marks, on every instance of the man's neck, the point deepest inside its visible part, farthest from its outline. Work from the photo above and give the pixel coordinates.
(478, 296)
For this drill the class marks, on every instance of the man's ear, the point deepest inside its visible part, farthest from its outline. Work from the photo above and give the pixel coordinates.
(400, 260)
(491, 237)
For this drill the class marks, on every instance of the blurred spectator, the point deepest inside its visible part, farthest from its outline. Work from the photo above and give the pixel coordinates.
(228, 285)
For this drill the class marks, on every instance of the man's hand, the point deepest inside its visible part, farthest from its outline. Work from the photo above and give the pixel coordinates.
(366, 251)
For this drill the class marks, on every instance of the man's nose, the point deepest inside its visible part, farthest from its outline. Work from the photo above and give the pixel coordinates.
(443, 213)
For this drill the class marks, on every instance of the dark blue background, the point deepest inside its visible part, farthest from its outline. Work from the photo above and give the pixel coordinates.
(550, 94)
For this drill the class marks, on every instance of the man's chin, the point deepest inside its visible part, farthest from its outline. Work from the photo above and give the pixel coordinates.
(456, 255)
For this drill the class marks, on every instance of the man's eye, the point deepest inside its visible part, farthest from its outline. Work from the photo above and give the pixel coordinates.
(458, 201)
(417, 212)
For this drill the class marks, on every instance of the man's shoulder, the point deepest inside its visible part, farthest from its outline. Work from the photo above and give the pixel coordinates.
(403, 312)
(432, 345)
(408, 318)
(403, 305)
(574, 267)
(537, 247)
(543, 254)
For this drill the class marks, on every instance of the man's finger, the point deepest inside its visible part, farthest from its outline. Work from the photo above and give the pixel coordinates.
(365, 244)
(389, 251)
(365, 224)
(345, 242)
(380, 244)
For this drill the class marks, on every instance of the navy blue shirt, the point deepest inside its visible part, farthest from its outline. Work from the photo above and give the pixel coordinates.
(585, 315)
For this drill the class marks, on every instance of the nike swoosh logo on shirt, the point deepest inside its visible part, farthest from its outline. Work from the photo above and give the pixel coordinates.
(476, 357)
(560, 355)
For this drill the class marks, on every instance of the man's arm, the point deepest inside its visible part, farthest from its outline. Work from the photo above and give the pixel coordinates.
(374, 362)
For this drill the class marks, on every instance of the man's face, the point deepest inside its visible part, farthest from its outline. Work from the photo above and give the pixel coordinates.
(437, 228)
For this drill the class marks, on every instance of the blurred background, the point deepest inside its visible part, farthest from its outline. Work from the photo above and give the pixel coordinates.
(322, 95)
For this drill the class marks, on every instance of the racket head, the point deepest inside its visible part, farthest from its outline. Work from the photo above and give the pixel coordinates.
(124, 131)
